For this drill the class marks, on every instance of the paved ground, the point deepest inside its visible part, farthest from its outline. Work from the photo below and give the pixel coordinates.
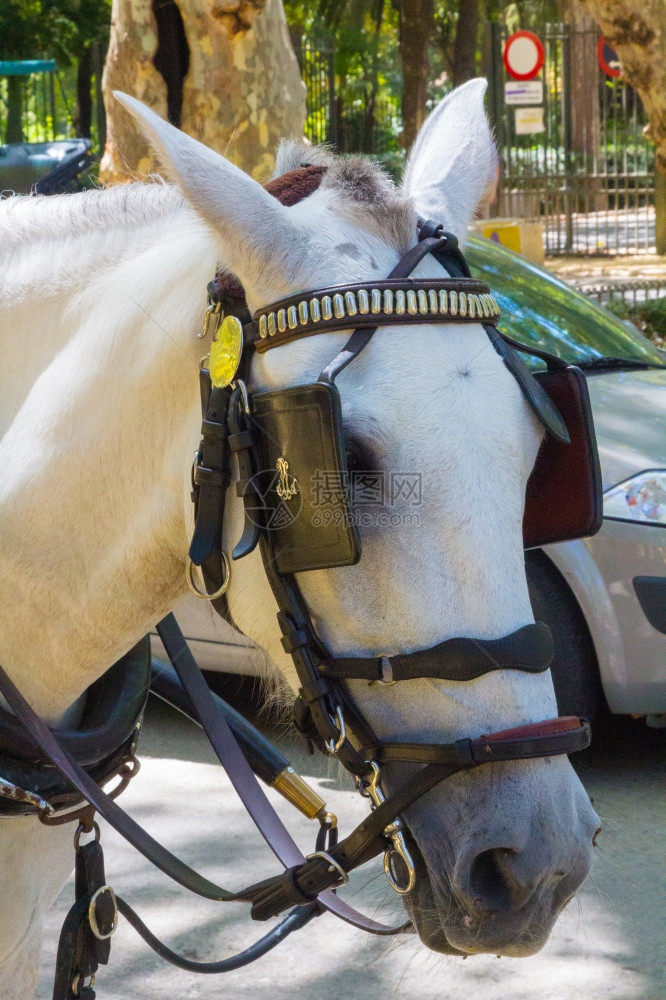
(586, 270)
(622, 229)
(609, 944)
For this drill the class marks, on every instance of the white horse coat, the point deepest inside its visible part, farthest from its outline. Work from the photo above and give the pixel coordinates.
(102, 301)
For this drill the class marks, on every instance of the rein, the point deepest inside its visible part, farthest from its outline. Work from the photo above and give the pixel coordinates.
(299, 428)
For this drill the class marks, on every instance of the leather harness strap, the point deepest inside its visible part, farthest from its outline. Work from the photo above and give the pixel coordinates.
(362, 334)
(324, 710)
(306, 878)
(529, 649)
(301, 885)
(230, 756)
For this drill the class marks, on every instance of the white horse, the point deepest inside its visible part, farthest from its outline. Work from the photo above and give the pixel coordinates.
(102, 298)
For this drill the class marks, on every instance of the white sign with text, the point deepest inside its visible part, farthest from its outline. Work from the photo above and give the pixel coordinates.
(529, 120)
(523, 92)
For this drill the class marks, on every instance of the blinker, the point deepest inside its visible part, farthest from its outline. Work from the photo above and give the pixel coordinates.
(299, 485)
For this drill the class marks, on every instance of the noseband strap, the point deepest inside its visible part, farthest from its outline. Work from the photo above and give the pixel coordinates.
(301, 884)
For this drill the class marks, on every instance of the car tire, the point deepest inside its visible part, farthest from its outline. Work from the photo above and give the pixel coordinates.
(574, 668)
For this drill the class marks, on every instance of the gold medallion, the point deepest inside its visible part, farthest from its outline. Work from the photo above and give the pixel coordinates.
(225, 352)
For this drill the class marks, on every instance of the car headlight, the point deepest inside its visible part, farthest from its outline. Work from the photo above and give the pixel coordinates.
(641, 498)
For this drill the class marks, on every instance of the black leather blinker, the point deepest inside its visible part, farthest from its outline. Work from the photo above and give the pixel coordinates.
(300, 482)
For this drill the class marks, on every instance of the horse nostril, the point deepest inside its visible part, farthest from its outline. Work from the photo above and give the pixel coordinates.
(594, 838)
(487, 880)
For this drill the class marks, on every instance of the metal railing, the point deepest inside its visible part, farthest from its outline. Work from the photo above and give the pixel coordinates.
(38, 101)
(629, 290)
(589, 175)
(354, 118)
(33, 107)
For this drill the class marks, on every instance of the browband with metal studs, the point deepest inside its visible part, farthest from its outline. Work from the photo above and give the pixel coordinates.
(371, 304)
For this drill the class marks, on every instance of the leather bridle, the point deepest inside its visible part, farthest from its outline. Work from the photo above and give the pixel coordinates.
(324, 711)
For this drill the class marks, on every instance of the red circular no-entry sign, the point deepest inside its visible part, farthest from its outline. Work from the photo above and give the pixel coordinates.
(523, 55)
(607, 58)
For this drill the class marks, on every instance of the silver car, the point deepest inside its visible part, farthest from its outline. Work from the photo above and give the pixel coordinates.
(603, 597)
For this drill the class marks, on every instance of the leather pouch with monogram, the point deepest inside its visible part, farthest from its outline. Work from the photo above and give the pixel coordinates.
(302, 468)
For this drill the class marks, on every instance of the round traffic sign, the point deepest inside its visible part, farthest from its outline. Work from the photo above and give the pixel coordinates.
(523, 55)
(608, 59)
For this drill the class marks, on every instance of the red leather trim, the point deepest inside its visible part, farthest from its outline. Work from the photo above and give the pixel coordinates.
(563, 497)
(563, 724)
(297, 184)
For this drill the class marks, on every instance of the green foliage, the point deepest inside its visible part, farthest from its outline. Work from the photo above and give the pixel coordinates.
(32, 28)
(61, 29)
(351, 54)
(531, 14)
(648, 316)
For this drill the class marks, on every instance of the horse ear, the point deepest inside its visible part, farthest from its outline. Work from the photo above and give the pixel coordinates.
(255, 229)
(453, 161)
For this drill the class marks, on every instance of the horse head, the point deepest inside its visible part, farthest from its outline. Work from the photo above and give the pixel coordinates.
(434, 413)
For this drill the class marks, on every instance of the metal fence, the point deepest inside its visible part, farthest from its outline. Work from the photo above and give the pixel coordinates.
(353, 117)
(33, 107)
(590, 173)
(629, 290)
(38, 102)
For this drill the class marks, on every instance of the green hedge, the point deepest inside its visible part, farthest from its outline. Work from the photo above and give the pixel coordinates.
(649, 317)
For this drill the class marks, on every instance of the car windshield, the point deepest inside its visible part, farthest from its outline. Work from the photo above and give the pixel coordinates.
(541, 311)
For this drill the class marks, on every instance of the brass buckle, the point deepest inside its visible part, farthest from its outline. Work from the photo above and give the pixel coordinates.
(387, 671)
(239, 384)
(80, 981)
(334, 745)
(212, 315)
(333, 865)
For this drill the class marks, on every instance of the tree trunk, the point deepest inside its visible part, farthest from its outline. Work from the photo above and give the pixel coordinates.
(637, 31)
(235, 84)
(464, 49)
(14, 127)
(585, 80)
(416, 26)
(84, 74)
(585, 118)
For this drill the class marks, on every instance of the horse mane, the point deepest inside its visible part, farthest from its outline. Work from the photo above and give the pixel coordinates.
(65, 237)
(62, 216)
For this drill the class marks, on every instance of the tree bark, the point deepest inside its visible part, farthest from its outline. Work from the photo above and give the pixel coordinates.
(584, 97)
(464, 49)
(584, 81)
(637, 31)
(416, 27)
(241, 86)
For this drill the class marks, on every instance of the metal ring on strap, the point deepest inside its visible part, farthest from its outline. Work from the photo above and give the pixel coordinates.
(201, 593)
(92, 914)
